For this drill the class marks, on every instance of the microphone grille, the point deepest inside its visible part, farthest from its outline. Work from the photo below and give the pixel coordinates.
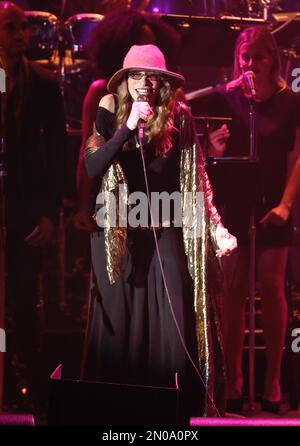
(142, 98)
(249, 74)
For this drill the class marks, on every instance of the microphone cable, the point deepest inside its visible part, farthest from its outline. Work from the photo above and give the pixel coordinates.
(140, 134)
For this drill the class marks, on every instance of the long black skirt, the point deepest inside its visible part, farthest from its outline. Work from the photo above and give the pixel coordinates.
(132, 335)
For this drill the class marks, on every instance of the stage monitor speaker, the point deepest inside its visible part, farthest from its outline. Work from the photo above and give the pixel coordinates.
(85, 403)
(16, 419)
(240, 421)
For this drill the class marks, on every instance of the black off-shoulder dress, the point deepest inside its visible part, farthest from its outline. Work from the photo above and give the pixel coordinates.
(132, 336)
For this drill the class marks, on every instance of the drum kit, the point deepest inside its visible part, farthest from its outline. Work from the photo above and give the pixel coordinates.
(62, 47)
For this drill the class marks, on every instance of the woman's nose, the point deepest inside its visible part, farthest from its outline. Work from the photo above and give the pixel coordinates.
(145, 81)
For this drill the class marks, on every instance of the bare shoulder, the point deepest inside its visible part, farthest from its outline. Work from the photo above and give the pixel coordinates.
(108, 102)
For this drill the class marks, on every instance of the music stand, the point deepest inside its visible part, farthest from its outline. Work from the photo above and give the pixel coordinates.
(249, 164)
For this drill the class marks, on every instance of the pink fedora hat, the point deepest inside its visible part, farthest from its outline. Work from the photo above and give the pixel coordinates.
(141, 58)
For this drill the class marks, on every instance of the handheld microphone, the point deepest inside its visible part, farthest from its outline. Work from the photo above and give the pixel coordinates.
(249, 78)
(142, 97)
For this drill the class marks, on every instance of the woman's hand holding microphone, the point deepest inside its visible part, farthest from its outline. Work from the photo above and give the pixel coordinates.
(140, 110)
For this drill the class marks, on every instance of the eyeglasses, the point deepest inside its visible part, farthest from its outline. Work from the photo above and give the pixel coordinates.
(138, 75)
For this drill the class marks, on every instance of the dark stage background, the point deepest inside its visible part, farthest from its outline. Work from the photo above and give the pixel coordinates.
(205, 59)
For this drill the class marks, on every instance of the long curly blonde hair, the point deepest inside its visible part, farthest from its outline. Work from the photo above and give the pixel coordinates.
(160, 127)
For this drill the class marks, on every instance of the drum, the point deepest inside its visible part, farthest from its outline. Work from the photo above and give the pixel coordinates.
(43, 32)
(78, 29)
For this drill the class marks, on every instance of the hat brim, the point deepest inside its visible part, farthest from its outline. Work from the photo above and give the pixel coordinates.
(176, 79)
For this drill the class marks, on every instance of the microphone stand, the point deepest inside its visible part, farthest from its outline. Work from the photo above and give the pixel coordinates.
(3, 175)
(252, 161)
(253, 158)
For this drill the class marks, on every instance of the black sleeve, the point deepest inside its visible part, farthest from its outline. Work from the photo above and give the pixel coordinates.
(98, 161)
(105, 123)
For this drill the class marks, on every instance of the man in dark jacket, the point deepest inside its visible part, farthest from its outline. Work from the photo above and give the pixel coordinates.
(34, 137)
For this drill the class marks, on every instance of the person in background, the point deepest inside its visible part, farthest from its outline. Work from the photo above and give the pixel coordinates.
(278, 141)
(152, 316)
(110, 41)
(34, 139)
